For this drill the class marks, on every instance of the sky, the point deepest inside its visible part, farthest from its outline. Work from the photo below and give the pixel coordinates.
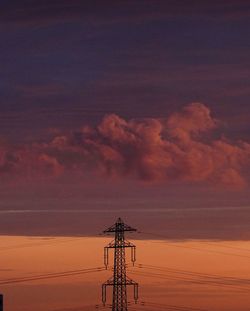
(214, 284)
(138, 109)
(124, 104)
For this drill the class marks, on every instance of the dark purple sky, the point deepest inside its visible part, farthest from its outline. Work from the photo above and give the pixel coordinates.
(64, 63)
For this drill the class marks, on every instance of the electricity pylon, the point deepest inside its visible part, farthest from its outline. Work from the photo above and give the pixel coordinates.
(120, 280)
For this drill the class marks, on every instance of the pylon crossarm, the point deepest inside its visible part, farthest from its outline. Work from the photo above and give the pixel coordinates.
(109, 282)
(130, 281)
(119, 226)
(125, 243)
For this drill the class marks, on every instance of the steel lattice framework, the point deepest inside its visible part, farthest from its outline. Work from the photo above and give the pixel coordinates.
(120, 280)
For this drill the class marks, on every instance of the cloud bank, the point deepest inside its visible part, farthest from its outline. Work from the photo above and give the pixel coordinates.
(185, 147)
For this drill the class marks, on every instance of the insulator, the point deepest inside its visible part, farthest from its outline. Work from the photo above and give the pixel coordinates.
(133, 255)
(106, 257)
(104, 294)
(136, 292)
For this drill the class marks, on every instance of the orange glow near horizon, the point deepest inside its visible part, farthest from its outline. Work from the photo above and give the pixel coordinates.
(31, 256)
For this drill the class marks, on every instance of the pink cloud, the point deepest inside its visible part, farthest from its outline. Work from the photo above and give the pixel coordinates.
(191, 121)
(180, 148)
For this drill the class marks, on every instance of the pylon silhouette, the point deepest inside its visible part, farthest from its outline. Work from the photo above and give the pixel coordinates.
(120, 280)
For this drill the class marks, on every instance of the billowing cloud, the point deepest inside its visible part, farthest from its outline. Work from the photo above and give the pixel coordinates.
(180, 148)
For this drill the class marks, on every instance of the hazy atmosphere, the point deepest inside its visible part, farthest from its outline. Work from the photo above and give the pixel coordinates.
(133, 109)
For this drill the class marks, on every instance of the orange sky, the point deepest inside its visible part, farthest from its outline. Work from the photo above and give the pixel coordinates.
(27, 256)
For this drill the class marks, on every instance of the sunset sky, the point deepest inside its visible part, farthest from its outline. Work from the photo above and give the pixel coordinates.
(138, 109)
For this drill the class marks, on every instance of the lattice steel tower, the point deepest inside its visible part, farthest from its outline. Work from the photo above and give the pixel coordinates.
(120, 280)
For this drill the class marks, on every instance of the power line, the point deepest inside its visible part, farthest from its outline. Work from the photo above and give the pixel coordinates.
(226, 246)
(28, 245)
(172, 307)
(194, 248)
(50, 275)
(52, 241)
(190, 280)
(160, 306)
(197, 278)
(213, 276)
